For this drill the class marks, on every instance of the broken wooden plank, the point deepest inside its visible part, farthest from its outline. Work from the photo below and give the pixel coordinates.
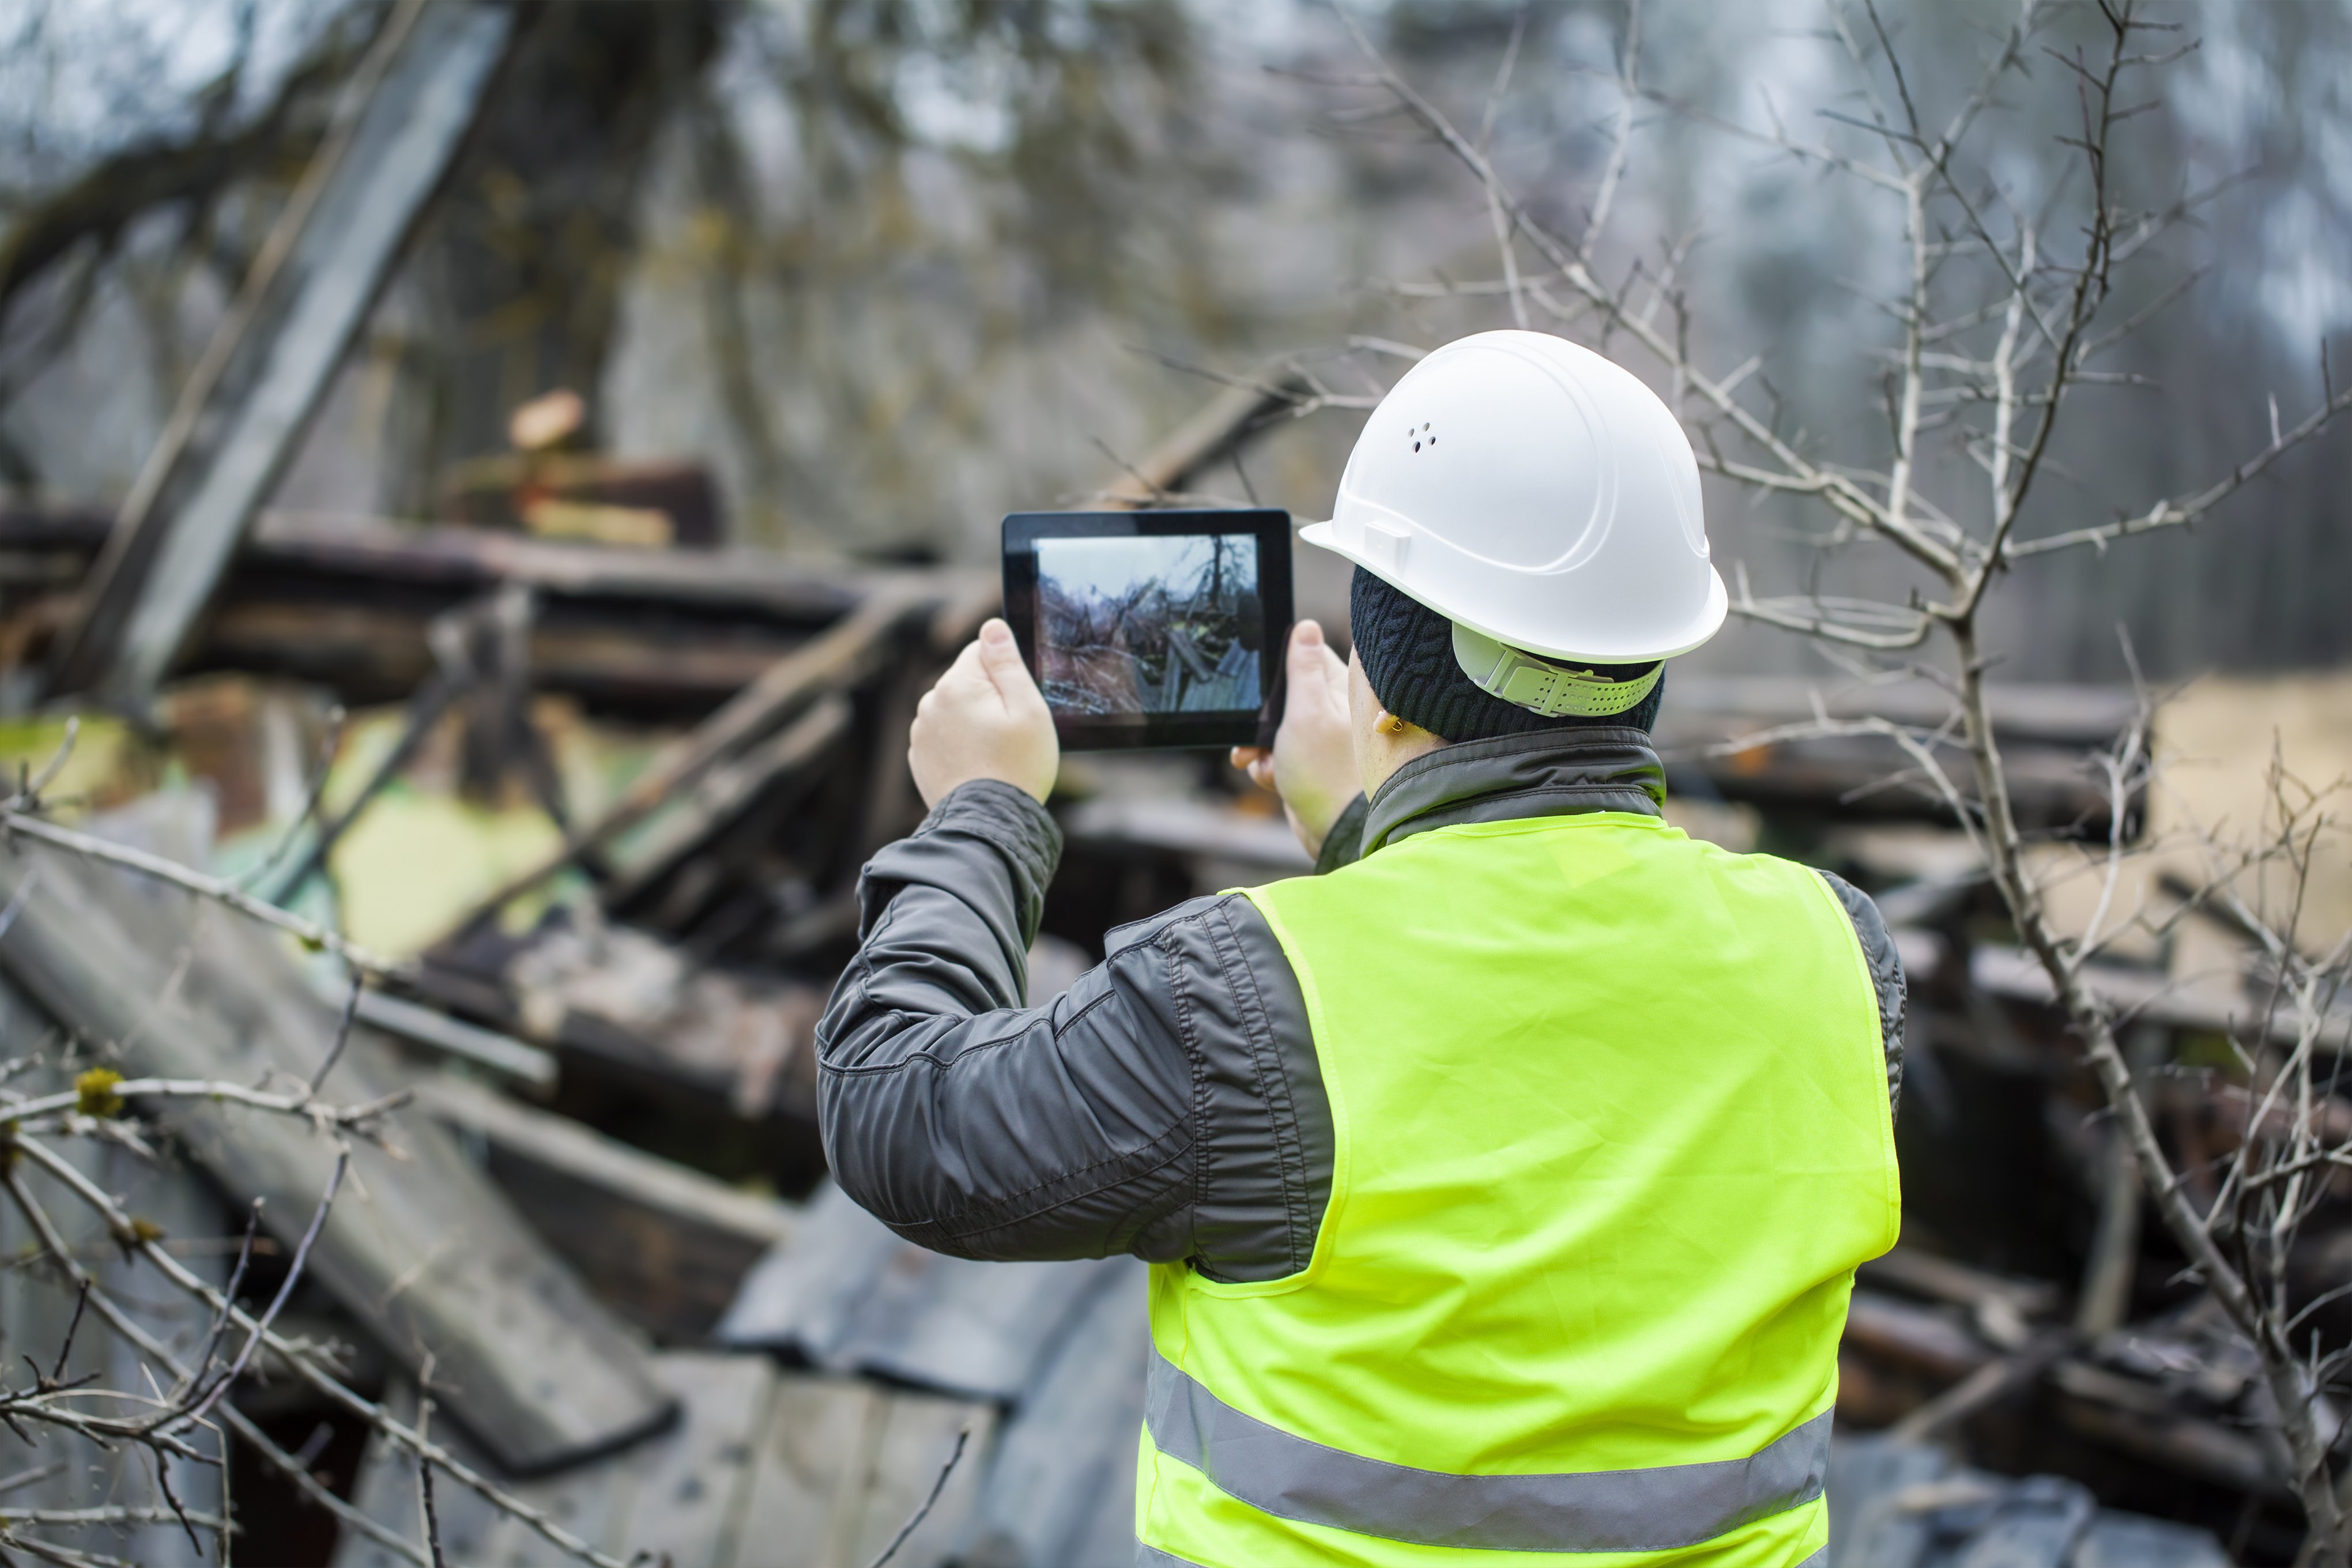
(666, 1246)
(348, 603)
(1061, 1482)
(615, 998)
(762, 1471)
(1927, 1274)
(465, 563)
(2048, 733)
(844, 1465)
(2144, 1421)
(245, 409)
(2152, 997)
(841, 657)
(420, 1248)
(470, 1043)
(724, 794)
(694, 1486)
(1921, 1337)
(371, 651)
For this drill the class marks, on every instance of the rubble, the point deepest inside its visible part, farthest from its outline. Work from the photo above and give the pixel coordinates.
(600, 787)
(425, 1254)
(1905, 1506)
(567, 797)
(653, 973)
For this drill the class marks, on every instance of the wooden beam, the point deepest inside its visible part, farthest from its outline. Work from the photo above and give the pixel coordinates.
(470, 1043)
(839, 658)
(245, 409)
(666, 1246)
(766, 1468)
(726, 792)
(420, 1249)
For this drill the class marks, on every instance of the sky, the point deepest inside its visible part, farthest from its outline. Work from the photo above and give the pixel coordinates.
(1115, 567)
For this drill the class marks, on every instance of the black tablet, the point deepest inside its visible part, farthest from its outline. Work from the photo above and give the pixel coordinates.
(1152, 628)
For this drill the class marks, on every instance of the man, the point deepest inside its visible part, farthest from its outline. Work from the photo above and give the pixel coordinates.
(1505, 1182)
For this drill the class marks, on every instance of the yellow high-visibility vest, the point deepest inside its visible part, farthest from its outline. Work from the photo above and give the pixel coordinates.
(1611, 1127)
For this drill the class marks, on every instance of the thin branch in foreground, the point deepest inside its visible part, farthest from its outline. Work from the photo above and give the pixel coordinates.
(312, 796)
(939, 1486)
(423, 1470)
(310, 933)
(342, 1031)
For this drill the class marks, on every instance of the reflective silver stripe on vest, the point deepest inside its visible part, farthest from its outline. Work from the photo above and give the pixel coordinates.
(1148, 1556)
(1593, 1511)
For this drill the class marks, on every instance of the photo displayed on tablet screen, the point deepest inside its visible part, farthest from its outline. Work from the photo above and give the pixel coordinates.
(1169, 624)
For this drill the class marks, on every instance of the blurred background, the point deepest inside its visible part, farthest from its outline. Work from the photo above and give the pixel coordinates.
(889, 270)
(492, 479)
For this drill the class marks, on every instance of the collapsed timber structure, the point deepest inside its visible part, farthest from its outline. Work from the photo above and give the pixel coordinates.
(533, 1202)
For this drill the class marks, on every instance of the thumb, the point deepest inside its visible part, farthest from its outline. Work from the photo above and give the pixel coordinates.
(999, 658)
(1315, 670)
(1306, 654)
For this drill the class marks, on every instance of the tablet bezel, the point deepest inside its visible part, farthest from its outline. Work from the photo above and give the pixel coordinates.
(1230, 727)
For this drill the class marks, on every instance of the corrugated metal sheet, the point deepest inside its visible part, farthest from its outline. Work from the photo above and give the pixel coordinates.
(847, 1296)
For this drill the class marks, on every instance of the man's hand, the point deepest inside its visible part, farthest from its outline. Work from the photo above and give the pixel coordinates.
(1313, 764)
(984, 720)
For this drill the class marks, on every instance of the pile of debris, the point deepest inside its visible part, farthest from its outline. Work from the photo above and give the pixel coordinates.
(447, 909)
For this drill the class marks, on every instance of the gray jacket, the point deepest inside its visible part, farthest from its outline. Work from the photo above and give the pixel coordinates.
(1168, 1104)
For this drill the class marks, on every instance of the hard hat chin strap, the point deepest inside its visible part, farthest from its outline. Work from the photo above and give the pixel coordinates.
(1527, 681)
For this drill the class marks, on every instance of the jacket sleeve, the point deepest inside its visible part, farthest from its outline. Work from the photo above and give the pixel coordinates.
(1885, 975)
(1167, 1104)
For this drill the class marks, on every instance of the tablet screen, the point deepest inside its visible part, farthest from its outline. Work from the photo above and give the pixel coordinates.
(1135, 625)
(1150, 628)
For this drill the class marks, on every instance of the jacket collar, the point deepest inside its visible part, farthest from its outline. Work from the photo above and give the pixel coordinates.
(1549, 773)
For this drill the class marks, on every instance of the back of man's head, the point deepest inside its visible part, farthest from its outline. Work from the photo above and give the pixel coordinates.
(1408, 651)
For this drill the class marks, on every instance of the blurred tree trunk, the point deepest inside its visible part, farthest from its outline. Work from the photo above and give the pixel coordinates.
(515, 283)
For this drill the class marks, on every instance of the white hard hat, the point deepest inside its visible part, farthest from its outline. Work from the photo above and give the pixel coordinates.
(1536, 494)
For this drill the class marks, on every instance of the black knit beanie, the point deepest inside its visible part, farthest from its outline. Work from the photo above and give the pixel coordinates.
(1408, 653)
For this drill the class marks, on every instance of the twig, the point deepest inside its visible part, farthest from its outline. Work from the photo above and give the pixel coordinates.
(342, 1032)
(349, 1118)
(300, 1361)
(937, 1485)
(320, 772)
(308, 932)
(155, 1350)
(285, 1289)
(423, 1470)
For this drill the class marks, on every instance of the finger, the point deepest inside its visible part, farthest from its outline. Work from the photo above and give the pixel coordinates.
(1332, 672)
(1000, 659)
(1306, 639)
(956, 683)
